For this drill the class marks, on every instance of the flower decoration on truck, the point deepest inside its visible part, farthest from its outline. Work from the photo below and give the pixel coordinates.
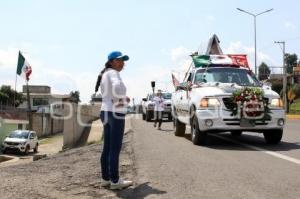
(249, 103)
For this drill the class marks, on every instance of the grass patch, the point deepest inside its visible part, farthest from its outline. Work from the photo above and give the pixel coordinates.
(295, 107)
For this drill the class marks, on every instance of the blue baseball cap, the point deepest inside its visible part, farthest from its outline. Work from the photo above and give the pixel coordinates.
(117, 55)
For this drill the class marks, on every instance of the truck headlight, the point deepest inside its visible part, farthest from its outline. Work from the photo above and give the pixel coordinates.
(22, 143)
(276, 102)
(209, 102)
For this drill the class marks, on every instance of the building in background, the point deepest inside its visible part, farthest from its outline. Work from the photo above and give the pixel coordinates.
(10, 121)
(296, 73)
(42, 100)
(44, 105)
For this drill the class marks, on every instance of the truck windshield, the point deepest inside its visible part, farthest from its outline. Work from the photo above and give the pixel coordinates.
(164, 95)
(167, 95)
(238, 76)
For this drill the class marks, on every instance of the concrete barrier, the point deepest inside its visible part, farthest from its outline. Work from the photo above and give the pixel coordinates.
(76, 119)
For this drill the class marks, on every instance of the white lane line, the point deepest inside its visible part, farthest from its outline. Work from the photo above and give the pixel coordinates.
(278, 155)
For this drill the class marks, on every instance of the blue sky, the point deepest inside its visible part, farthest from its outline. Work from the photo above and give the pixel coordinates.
(67, 41)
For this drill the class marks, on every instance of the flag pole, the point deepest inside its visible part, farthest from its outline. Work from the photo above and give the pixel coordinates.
(29, 107)
(188, 71)
(15, 91)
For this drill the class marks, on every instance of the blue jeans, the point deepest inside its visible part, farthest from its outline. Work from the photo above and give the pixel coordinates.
(114, 124)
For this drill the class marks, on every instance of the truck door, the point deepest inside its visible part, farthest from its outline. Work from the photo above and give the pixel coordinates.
(186, 99)
(178, 102)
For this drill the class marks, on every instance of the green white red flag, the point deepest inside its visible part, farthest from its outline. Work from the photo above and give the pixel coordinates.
(23, 67)
(231, 59)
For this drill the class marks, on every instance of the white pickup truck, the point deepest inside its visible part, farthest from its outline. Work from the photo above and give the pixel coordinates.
(208, 101)
(148, 106)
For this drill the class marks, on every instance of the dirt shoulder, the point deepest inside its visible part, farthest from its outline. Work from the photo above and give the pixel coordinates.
(71, 174)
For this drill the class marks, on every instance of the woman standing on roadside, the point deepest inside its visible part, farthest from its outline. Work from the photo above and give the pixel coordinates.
(113, 109)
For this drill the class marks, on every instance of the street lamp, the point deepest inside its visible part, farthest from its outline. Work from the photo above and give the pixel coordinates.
(254, 15)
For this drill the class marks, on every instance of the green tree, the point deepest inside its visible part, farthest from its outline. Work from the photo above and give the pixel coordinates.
(10, 97)
(263, 71)
(75, 97)
(291, 61)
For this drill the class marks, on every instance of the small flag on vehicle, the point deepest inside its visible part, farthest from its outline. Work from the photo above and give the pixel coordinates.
(175, 81)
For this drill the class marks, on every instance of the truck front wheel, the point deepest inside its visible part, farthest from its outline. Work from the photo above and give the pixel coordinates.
(273, 136)
(143, 116)
(148, 116)
(179, 128)
(170, 118)
(198, 137)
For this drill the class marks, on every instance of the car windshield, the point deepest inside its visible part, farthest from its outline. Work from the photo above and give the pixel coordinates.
(238, 76)
(19, 134)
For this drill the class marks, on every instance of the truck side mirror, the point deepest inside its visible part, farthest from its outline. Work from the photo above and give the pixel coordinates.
(144, 99)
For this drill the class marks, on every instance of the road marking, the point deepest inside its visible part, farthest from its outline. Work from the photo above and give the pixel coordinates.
(278, 155)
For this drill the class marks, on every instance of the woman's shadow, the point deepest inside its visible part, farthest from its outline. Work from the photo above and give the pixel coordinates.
(139, 192)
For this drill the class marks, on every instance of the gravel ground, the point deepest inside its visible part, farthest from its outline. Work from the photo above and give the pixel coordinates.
(71, 174)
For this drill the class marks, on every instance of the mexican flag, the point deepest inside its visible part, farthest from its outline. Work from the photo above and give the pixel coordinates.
(201, 60)
(23, 68)
(231, 59)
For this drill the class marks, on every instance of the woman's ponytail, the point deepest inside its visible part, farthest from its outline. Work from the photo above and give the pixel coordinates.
(107, 65)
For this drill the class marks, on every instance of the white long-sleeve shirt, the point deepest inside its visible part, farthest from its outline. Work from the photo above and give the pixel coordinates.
(159, 103)
(113, 92)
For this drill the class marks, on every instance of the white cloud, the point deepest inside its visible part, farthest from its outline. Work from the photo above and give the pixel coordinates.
(8, 58)
(180, 57)
(290, 25)
(139, 85)
(239, 48)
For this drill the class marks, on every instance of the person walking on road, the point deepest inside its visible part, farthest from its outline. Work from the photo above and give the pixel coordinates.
(158, 108)
(112, 115)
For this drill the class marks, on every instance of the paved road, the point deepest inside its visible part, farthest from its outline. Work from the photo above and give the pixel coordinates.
(244, 167)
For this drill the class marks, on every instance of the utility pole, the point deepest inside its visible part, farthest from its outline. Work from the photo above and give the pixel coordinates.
(29, 108)
(284, 82)
(254, 16)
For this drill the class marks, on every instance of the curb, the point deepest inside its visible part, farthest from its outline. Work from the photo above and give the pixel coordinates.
(293, 117)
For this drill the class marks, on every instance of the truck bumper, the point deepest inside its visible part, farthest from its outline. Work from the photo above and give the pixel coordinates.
(221, 120)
